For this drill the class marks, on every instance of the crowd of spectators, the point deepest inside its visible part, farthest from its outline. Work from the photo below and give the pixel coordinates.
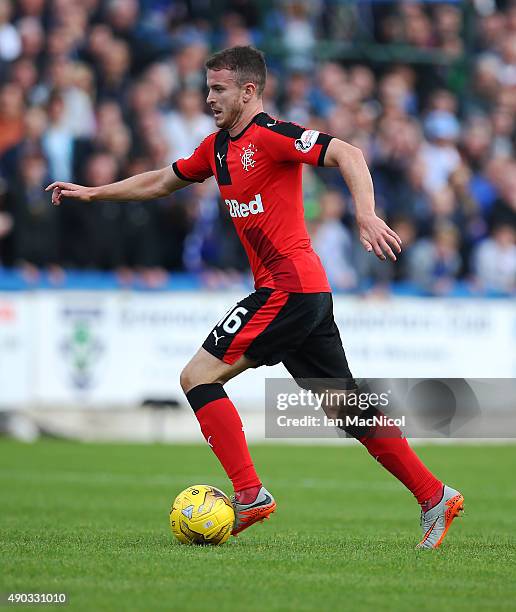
(92, 91)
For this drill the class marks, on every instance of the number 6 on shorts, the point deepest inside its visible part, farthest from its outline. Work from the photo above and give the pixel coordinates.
(232, 320)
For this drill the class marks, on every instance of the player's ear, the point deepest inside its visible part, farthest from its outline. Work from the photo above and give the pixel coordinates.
(249, 91)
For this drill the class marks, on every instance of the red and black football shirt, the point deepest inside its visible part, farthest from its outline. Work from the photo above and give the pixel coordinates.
(259, 177)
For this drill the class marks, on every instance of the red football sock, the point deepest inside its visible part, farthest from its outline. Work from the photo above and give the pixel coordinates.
(247, 496)
(222, 428)
(387, 445)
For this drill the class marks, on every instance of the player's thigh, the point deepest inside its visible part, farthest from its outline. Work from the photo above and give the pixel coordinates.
(204, 368)
(321, 360)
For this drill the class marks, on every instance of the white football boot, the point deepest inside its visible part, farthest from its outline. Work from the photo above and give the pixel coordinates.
(436, 521)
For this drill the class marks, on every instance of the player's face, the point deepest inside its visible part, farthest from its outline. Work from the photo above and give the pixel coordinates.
(225, 98)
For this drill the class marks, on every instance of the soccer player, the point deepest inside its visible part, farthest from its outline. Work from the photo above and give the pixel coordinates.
(256, 160)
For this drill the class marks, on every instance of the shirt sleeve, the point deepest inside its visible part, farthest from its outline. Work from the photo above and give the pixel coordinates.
(197, 167)
(289, 142)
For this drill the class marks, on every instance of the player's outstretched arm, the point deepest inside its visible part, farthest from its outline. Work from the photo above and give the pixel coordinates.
(375, 234)
(145, 186)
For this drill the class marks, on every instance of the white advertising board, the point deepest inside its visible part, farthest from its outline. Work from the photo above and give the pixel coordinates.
(420, 338)
(104, 349)
(114, 349)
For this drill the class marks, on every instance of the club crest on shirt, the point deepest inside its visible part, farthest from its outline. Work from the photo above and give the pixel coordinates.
(307, 141)
(247, 156)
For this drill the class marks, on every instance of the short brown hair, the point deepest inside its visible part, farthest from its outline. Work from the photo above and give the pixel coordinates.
(247, 63)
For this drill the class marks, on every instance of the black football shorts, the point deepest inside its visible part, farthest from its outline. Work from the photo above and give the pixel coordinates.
(271, 326)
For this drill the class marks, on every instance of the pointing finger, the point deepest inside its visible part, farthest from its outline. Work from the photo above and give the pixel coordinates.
(55, 185)
(60, 185)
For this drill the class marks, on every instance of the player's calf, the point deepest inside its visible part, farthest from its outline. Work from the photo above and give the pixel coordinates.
(439, 503)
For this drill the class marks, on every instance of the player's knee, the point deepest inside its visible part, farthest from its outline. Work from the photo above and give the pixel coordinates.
(187, 379)
(192, 376)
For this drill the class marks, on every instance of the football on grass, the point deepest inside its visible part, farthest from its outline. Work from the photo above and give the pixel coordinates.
(202, 514)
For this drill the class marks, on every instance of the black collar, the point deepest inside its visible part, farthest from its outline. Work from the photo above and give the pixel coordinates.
(253, 120)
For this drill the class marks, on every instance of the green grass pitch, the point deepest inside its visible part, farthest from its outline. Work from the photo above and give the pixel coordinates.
(91, 520)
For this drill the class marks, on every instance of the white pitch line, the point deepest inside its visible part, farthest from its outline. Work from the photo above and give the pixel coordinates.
(106, 478)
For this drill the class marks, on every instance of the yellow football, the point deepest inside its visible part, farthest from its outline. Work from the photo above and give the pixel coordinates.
(202, 514)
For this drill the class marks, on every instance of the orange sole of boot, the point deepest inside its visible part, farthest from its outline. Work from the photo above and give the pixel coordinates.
(254, 515)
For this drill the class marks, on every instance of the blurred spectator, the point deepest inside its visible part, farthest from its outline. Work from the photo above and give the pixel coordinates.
(189, 64)
(504, 129)
(417, 25)
(144, 37)
(435, 263)
(113, 80)
(485, 84)
(495, 260)
(397, 149)
(406, 229)
(507, 74)
(36, 224)
(440, 154)
(234, 33)
(476, 141)
(32, 37)
(94, 238)
(448, 22)
(395, 95)
(443, 100)
(11, 116)
(414, 200)
(209, 244)
(362, 77)
(504, 208)
(32, 8)
(299, 33)
(58, 140)
(24, 74)
(140, 229)
(160, 78)
(10, 42)
(122, 16)
(297, 107)
(490, 30)
(448, 25)
(333, 242)
(186, 127)
(35, 123)
(78, 96)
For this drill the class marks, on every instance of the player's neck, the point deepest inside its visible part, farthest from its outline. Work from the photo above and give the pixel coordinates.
(245, 119)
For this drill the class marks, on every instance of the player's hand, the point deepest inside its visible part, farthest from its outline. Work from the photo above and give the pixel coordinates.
(62, 190)
(377, 236)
